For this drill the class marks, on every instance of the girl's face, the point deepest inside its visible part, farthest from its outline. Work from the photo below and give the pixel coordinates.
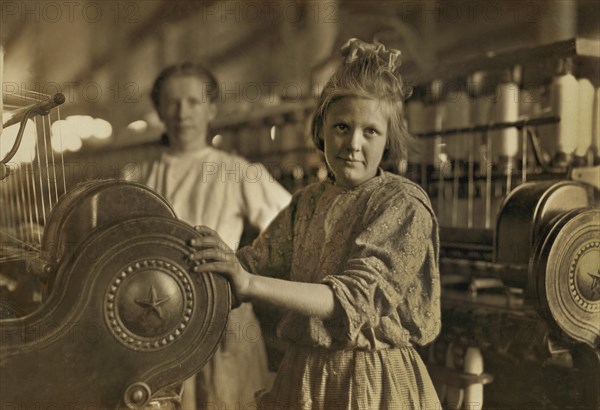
(355, 136)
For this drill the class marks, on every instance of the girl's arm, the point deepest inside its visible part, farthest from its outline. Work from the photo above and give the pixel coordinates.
(310, 299)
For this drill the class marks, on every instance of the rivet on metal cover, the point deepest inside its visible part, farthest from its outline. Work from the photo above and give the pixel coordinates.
(137, 395)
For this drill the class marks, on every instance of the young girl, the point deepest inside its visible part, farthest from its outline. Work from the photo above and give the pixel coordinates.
(352, 261)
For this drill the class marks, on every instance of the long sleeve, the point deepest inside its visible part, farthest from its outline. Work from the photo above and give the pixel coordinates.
(389, 286)
(377, 248)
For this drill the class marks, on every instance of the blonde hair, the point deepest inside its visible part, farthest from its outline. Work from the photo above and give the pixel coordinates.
(369, 71)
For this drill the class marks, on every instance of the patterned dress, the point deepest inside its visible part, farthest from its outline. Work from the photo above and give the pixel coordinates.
(213, 188)
(377, 247)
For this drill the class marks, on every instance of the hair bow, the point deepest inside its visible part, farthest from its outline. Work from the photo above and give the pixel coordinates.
(355, 48)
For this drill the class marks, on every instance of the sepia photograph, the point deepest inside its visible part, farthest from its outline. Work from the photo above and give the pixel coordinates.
(300, 204)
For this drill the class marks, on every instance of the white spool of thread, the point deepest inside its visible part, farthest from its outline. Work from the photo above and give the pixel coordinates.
(585, 112)
(473, 365)
(1, 86)
(596, 125)
(564, 103)
(480, 112)
(505, 142)
(457, 106)
(436, 113)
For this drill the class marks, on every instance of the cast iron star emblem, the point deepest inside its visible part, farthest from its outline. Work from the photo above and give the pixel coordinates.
(153, 303)
(595, 282)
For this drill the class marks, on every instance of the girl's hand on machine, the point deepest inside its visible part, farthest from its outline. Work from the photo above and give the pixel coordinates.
(215, 256)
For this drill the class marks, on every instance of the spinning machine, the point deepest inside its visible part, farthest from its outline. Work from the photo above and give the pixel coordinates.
(98, 306)
(511, 161)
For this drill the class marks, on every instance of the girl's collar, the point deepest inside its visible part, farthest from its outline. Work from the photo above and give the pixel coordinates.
(379, 176)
